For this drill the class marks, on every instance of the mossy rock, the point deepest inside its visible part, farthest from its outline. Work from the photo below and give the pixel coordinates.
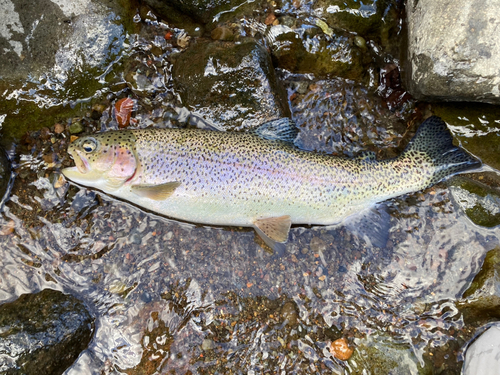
(475, 126)
(373, 19)
(377, 357)
(480, 202)
(481, 301)
(232, 85)
(324, 56)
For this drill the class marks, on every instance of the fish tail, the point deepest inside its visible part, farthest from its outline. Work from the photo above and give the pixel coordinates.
(434, 142)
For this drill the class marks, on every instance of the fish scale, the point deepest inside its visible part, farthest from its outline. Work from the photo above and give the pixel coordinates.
(243, 179)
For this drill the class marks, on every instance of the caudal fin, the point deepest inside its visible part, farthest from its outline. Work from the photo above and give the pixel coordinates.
(434, 141)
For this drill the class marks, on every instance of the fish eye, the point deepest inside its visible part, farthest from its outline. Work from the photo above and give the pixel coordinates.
(89, 145)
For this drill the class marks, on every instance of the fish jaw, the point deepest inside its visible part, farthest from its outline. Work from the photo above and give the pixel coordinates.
(89, 178)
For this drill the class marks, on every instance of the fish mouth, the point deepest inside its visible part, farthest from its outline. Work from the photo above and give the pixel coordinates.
(81, 171)
(81, 162)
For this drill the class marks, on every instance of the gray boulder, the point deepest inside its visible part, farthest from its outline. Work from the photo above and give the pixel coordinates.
(483, 356)
(453, 50)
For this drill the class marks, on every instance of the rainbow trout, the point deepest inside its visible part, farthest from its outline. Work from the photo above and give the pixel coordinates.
(258, 180)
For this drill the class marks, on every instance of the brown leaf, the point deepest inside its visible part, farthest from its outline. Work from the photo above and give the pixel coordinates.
(123, 111)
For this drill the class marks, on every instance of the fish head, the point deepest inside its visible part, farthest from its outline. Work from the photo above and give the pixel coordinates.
(104, 161)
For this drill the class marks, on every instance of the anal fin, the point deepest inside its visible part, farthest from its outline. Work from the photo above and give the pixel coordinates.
(274, 231)
(156, 192)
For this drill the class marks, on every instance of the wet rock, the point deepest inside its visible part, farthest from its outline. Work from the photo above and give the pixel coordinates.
(316, 50)
(231, 85)
(453, 50)
(6, 177)
(205, 11)
(481, 301)
(370, 18)
(42, 333)
(55, 35)
(483, 356)
(76, 127)
(207, 344)
(480, 202)
(475, 125)
(47, 51)
(222, 33)
(378, 356)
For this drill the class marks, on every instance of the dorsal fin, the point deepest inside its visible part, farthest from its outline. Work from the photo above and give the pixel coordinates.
(283, 129)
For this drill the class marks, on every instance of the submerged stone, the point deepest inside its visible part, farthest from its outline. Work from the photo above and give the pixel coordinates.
(231, 85)
(42, 333)
(52, 53)
(481, 301)
(379, 356)
(480, 202)
(369, 18)
(311, 50)
(453, 50)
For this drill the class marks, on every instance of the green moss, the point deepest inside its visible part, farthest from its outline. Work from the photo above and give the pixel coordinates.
(478, 200)
(481, 301)
(489, 270)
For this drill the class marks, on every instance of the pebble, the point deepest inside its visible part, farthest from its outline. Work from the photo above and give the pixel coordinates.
(58, 128)
(360, 42)
(76, 128)
(270, 19)
(207, 344)
(341, 350)
(7, 228)
(222, 33)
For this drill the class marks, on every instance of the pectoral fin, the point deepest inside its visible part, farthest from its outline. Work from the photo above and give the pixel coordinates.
(156, 192)
(274, 231)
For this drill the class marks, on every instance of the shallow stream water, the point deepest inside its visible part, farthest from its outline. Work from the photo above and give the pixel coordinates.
(171, 297)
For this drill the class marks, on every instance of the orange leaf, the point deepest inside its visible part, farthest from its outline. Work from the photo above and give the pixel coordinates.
(123, 111)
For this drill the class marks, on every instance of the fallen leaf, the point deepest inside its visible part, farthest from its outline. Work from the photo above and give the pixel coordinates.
(123, 111)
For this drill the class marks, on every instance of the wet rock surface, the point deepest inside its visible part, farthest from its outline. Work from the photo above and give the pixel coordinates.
(481, 301)
(309, 49)
(453, 51)
(43, 333)
(50, 50)
(231, 85)
(205, 11)
(480, 202)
